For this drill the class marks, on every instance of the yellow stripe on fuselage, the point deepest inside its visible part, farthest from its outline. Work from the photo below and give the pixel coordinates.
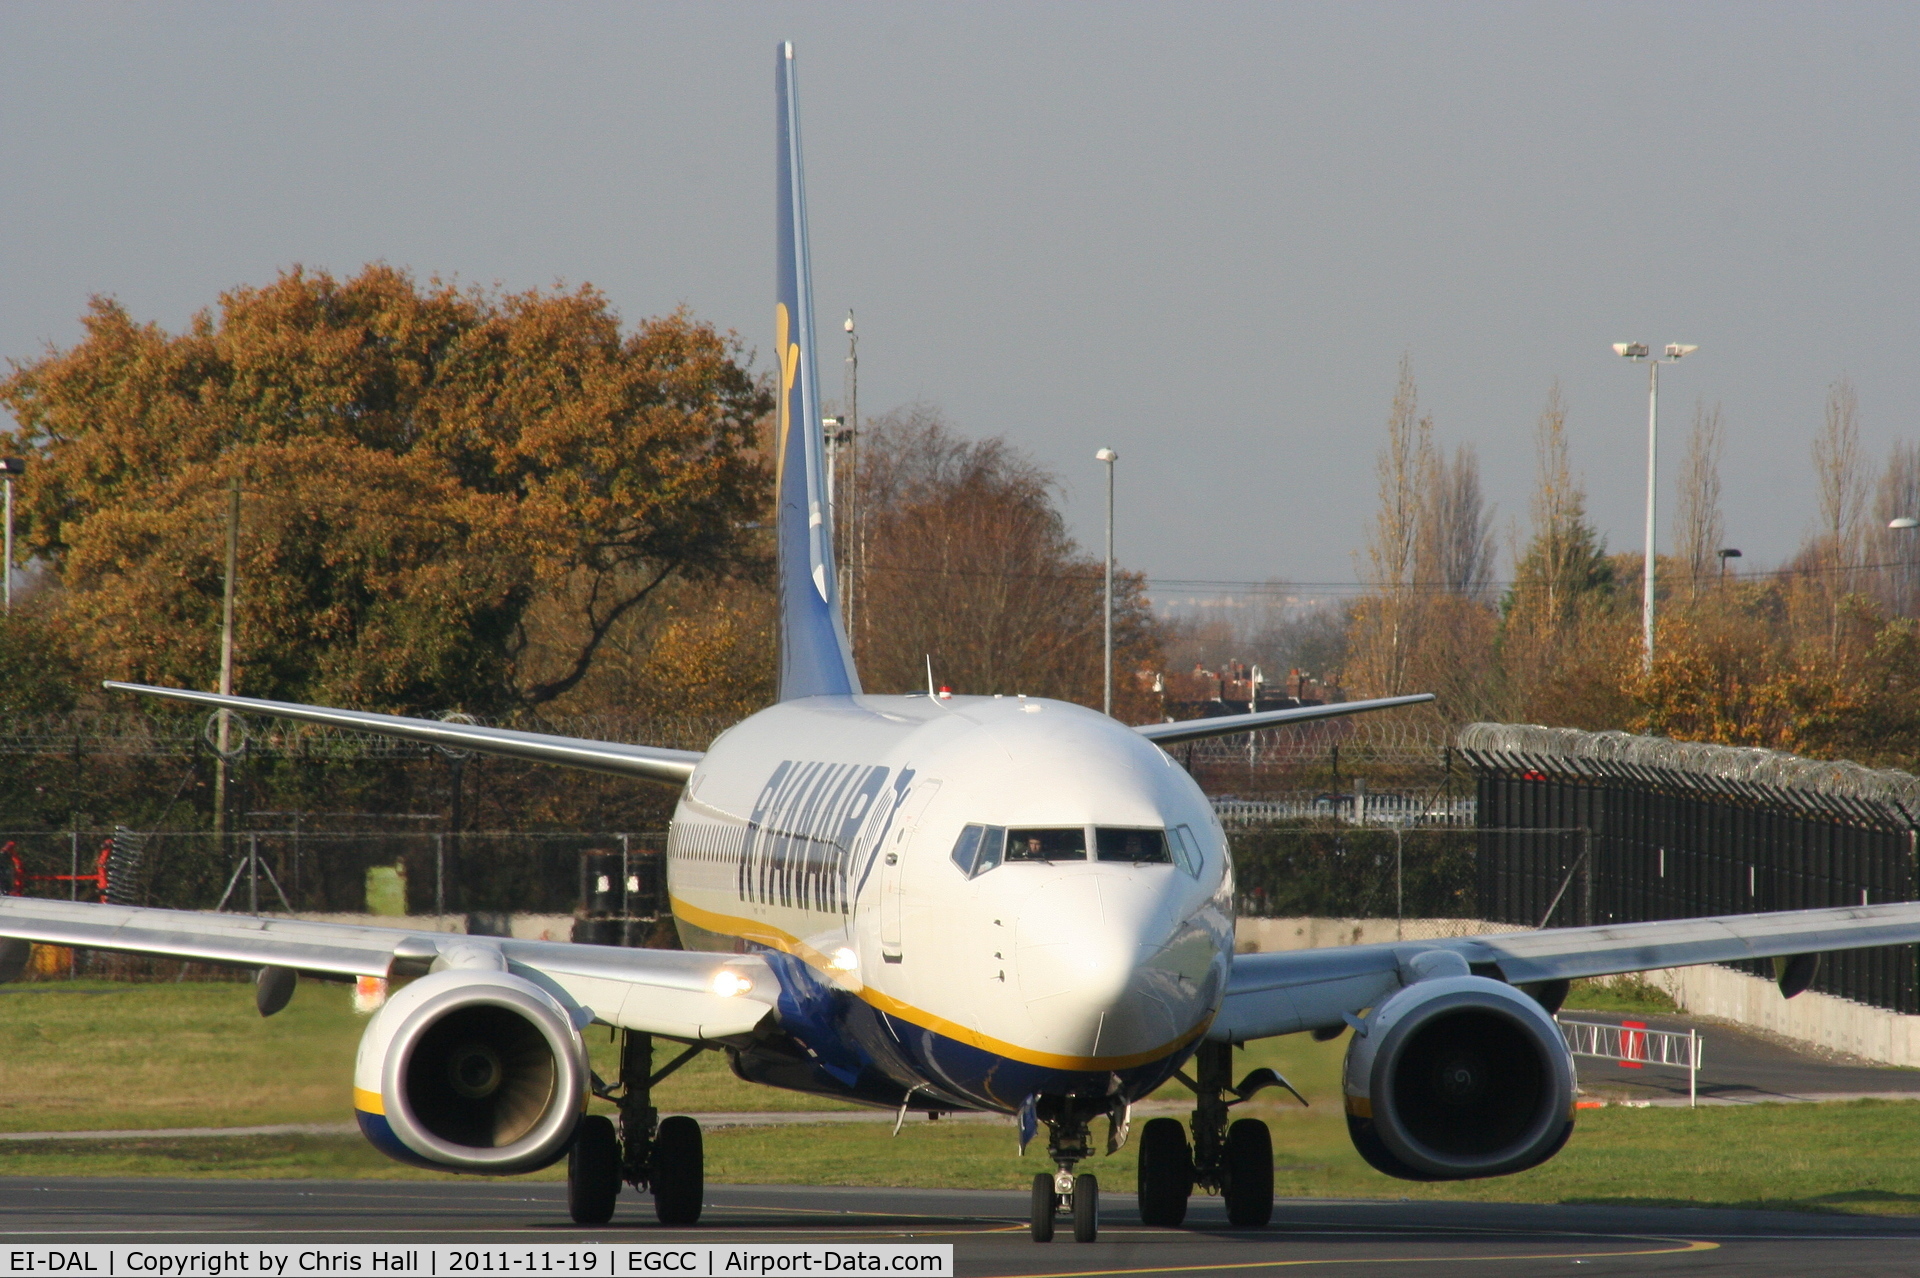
(768, 935)
(368, 1102)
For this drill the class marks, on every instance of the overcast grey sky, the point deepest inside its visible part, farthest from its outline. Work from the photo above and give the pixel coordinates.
(1202, 234)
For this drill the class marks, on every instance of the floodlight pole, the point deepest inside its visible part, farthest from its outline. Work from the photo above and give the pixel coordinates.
(10, 467)
(1653, 497)
(226, 655)
(853, 469)
(1108, 456)
(9, 550)
(1639, 351)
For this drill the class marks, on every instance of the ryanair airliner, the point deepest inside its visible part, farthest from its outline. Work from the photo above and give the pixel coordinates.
(1004, 904)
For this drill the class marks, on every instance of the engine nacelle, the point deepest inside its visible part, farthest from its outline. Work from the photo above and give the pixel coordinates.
(1458, 1077)
(473, 1071)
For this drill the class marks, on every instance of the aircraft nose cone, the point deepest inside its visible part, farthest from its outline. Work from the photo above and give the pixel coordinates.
(1106, 967)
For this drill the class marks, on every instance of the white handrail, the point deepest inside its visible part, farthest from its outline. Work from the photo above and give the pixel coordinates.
(1635, 1044)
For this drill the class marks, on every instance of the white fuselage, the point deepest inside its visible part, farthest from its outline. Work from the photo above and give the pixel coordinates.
(824, 828)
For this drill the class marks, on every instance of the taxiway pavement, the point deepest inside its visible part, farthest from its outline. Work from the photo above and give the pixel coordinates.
(986, 1228)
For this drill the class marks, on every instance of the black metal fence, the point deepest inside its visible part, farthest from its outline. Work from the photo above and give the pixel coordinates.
(1667, 843)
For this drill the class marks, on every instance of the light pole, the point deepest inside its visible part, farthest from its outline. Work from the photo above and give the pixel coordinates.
(1726, 553)
(852, 421)
(1108, 456)
(9, 467)
(1901, 524)
(1638, 351)
(223, 744)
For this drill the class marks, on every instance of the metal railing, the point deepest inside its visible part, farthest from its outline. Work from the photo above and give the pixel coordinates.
(1635, 1046)
(1360, 807)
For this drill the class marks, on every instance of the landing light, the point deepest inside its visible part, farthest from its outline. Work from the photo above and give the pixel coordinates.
(844, 959)
(727, 983)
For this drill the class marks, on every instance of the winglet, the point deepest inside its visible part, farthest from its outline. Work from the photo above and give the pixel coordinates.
(815, 658)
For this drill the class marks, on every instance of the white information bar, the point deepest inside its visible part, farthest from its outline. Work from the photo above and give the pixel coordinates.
(476, 1260)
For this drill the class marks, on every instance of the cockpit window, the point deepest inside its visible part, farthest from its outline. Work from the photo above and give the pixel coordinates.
(1141, 847)
(1186, 850)
(977, 850)
(1065, 843)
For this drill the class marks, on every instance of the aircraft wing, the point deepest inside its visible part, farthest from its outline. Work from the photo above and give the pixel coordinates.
(652, 762)
(1227, 724)
(667, 992)
(1293, 990)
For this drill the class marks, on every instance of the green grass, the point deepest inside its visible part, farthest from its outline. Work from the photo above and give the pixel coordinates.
(100, 1055)
(1854, 1157)
(1628, 994)
(93, 1055)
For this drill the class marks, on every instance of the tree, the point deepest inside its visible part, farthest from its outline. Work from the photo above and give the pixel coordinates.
(420, 464)
(1698, 526)
(1560, 643)
(969, 565)
(1842, 489)
(1455, 544)
(1383, 635)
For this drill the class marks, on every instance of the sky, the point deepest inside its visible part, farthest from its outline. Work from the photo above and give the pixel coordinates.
(1203, 235)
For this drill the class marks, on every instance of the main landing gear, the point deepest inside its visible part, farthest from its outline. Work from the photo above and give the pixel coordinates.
(1068, 1141)
(647, 1151)
(1235, 1161)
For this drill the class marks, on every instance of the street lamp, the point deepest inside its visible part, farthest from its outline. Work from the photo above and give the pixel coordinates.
(1639, 351)
(1726, 553)
(1108, 456)
(9, 467)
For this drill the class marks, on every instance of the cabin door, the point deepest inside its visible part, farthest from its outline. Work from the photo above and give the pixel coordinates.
(893, 864)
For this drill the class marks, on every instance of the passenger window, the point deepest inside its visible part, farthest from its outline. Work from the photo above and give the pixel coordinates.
(1068, 843)
(1141, 847)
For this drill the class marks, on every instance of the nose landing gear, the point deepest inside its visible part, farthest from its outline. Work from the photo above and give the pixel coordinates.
(1068, 1141)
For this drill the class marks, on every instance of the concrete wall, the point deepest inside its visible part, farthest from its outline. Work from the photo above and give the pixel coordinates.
(1821, 1019)
(1708, 990)
(1260, 936)
(523, 927)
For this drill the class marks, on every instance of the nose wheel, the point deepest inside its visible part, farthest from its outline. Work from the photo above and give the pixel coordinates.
(1080, 1203)
(1069, 1140)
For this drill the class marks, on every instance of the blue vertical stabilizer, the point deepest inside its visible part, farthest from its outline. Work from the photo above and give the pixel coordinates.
(815, 659)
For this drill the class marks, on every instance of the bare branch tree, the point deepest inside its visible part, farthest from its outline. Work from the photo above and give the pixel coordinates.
(1843, 495)
(1455, 552)
(1392, 542)
(1698, 526)
(1558, 503)
(1842, 481)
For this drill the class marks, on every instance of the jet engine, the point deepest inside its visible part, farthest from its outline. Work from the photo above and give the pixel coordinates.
(473, 1071)
(1456, 1077)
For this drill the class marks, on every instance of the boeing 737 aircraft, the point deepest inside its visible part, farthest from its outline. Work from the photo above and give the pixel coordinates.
(1004, 904)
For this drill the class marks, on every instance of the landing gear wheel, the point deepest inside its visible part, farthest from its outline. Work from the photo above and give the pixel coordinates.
(1040, 1210)
(1086, 1208)
(678, 1173)
(1166, 1173)
(593, 1171)
(1249, 1168)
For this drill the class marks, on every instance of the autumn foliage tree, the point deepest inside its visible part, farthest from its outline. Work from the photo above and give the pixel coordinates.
(421, 466)
(968, 564)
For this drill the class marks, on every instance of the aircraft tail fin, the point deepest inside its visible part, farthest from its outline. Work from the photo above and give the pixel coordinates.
(815, 657)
